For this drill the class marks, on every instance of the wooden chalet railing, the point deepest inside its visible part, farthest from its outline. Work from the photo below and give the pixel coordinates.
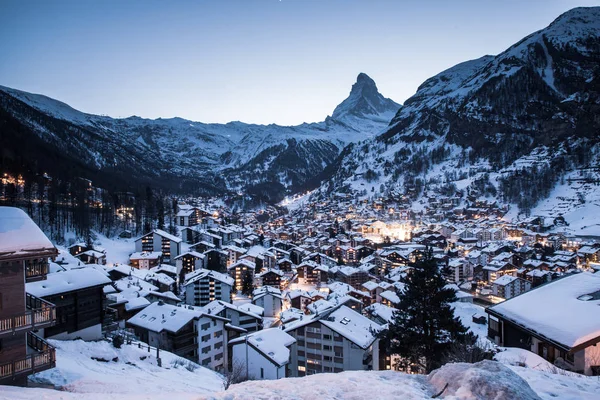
(44, 359)
(39, 314)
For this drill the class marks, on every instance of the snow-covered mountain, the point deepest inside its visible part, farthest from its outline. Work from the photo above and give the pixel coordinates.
(475, 126)
(219, 157)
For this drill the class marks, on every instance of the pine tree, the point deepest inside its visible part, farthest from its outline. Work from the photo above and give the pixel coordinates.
(424, 325)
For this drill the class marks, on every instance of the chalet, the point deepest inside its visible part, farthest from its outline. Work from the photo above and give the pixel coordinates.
(24, 253)
(234, 253)
(375, 289)
(354, 277)
(166, 297)
(310, 273)
(78, 297)
(494, 270)
(189, 332)
(558, 321)
(458, 270)
(270, 299)
(266, 353)
(389, 298)
(247, 320)
(145, 260)
(538, 277)
(589, 254)
(204, 286)
(270, 277)
(188, 262)
(508, 286)
(188, 216)
(298, 299)
(202, 246)
(336, 340)
(239, 270)
(160, 241)
(191, 234)
(285, 265)
(92, 257)
(163, 282)
(216, 259)
(380, 313)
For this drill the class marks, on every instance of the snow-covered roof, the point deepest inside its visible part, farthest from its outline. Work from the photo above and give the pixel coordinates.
(564, 311)
(92, 253)
(167, 235)
(136, 303)
(141, 255)
(352, 325)
(505, 280)
(166, 295)
(390, 296)
(217, 306)
(159, 316)
(252, 308)
(370, 285)
(67, 281)
(207, 273)
(264, 290)
(272, 343)
(382, 311)
(191, 253)
(319, 306)
(18, 233)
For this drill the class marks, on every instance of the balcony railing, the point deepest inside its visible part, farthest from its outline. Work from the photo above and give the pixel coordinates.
(39, 314)
(44, 359)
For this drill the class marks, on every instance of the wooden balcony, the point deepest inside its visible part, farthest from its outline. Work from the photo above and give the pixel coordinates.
(39, 314)
(44, 358)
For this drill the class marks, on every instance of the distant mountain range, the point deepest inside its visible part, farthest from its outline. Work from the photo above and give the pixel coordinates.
(188, 156)
(511, 128)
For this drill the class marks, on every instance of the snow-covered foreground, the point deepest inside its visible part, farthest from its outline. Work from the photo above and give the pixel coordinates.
(136, 375)
(129, 371)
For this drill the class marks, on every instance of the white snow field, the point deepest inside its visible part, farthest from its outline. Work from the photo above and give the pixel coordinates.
(129, 372)
(135, 375)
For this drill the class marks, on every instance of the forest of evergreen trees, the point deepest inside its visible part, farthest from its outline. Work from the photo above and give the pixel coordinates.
(75, 208)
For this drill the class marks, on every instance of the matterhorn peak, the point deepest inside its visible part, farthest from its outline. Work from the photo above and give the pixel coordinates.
(365, 101)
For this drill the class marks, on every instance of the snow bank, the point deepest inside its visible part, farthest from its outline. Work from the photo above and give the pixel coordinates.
(352, 385)
(98, 367)
(483, 380)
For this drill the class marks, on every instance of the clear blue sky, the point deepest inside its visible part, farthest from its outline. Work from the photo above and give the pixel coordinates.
(262, 61)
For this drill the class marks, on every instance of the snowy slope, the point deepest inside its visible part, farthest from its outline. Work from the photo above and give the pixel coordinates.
(127, 371)
(473, 127)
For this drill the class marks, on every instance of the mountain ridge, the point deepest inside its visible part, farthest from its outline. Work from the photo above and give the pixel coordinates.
(243, 154)
(476, 126)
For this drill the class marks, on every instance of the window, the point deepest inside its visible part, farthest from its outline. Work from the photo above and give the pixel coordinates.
(326, 337)
(327, 358)
(205, 338)
(301, 368)
(206, 350)
(326, 347)
(206, 362)
(205, 326)
(218, 334)
(262, 373)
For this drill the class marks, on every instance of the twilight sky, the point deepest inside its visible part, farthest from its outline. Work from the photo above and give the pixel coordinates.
(261, 61)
